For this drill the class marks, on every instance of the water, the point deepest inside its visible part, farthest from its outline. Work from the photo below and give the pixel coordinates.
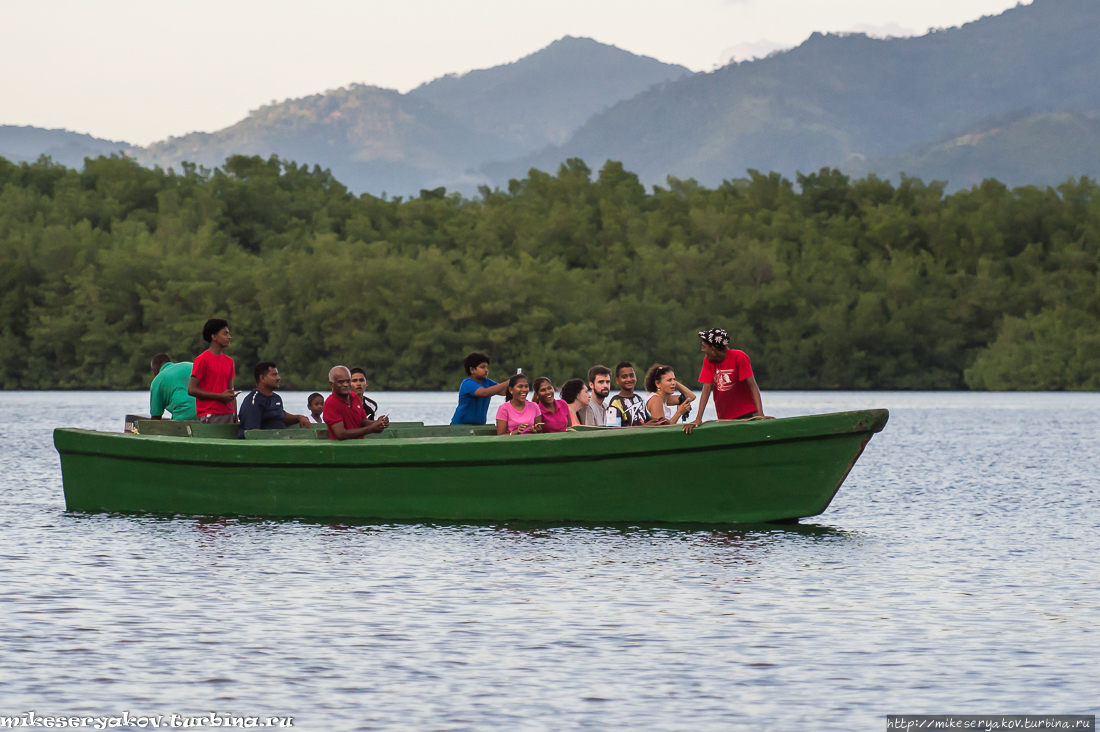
(956, 571)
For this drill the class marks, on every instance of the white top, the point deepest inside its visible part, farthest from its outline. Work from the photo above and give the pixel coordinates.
(669, 411)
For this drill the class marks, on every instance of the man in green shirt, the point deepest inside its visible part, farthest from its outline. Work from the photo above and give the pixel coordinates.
(169, 389)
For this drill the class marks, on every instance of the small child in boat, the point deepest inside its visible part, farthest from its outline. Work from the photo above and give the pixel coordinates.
(316, 404)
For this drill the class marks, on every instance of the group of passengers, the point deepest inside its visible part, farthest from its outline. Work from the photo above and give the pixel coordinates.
(203, 390)
(726, 374)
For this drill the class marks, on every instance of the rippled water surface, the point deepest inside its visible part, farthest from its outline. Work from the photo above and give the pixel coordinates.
(956, 571)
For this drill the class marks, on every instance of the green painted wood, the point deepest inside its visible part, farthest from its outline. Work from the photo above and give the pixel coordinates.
(442, 430)
(187, 428)
(214, 431)
(724, 472)
(164, 427)
(287, 434)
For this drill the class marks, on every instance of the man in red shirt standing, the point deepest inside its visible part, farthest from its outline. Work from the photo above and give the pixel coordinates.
(212, 377)
(728, 373)
(343, 411)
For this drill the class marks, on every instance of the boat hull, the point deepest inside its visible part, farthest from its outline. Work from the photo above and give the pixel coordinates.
(770, 470)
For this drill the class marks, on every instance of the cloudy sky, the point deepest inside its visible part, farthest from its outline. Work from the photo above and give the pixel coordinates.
(141, 70)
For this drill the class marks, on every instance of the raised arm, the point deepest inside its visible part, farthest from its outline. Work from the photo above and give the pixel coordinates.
(683, 407)
(490, 391)
(689, 395)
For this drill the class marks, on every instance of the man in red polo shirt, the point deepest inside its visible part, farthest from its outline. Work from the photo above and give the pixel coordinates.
(728, 373)
(344, 414)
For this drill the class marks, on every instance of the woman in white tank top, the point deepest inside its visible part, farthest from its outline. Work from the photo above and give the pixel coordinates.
(661, 388)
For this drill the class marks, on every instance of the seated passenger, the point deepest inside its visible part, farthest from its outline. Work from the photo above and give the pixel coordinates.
(359, 385)
(626, 405)
(555, 412)
(344, 410)
(661, 385)
(476, 390)
(517, 416)
(575, 394)
(316, 404)
(599, 385)
(262, 408)
(169, 389)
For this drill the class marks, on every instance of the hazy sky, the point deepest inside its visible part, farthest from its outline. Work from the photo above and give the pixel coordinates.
(141, 70)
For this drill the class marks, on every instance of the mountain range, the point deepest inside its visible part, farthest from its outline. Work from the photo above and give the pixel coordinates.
(840, 98)
(1017, 149)
(1012, 96)
(381, 140)
(26, 144)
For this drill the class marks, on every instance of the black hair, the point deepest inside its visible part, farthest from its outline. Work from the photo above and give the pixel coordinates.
(537, 383)
(570, 390)
(159, 360)
(213, 327)
(655, 373)
(474, 360)
(358, 370)
(623, 365)
(597, 370)
(314, 395)
(512, 381)
(262, 368)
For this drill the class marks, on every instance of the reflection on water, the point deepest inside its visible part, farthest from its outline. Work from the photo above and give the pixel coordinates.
(955, 572)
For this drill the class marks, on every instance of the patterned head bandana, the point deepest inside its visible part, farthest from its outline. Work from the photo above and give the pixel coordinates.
(715, 337)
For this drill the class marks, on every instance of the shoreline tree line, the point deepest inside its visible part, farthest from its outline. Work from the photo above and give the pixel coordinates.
(827, 282)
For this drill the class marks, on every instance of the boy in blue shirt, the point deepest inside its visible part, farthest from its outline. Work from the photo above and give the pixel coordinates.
(476, 390)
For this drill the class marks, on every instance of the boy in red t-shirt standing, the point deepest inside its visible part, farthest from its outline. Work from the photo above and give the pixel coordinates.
(212, 377)
(728, 373)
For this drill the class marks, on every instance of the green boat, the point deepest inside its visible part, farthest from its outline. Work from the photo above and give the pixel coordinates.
(776, 470)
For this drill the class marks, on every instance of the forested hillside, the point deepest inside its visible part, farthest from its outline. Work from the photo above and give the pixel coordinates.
(836, 97)
(1017, 149)
(543, 98)
(942, 106)
(847, 284)
(378, 140)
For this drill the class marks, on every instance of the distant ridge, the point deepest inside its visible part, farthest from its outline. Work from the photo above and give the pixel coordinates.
(379, 140)
(941, 106)
(372, 139)
(26, 144)
(543, 98)
(841, 97)
(1016, 149)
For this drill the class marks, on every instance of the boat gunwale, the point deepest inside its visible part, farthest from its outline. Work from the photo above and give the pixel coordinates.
(378, 453)
(476, 463)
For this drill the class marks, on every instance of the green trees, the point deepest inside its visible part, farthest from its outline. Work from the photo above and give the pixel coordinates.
(838, 284)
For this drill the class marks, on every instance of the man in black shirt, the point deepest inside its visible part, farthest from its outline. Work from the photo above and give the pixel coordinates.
(262, 408)
(359, 386)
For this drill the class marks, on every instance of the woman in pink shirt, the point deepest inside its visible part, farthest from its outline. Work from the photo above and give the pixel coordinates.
(555, 412)
(517, 416)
